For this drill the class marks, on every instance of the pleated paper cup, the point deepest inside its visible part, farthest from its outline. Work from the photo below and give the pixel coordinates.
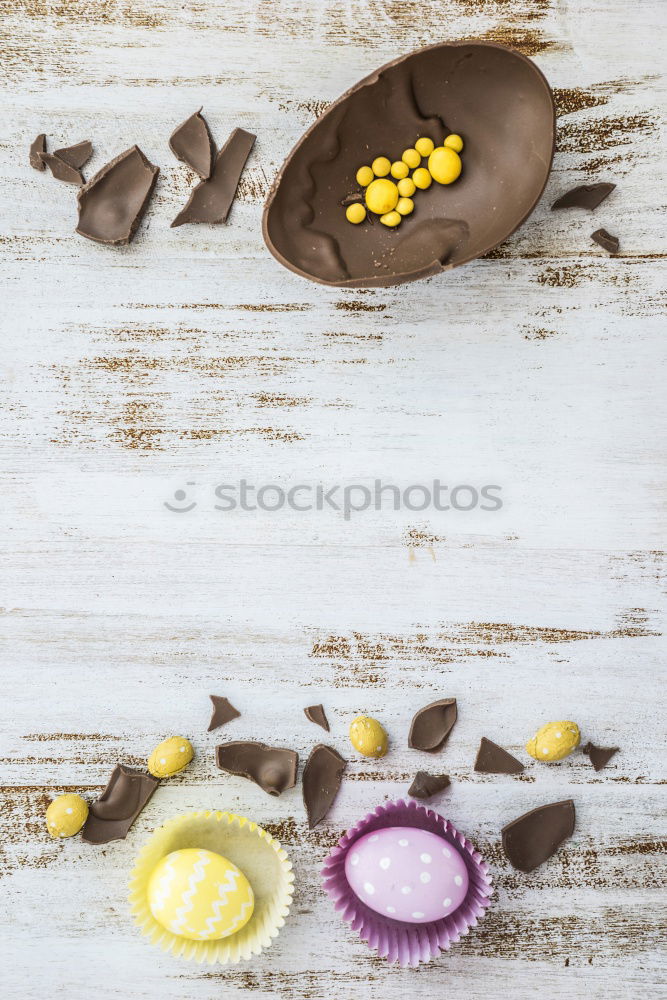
(262, 860)
(406, 943)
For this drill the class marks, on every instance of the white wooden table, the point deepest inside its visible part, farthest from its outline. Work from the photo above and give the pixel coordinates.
(192, 357)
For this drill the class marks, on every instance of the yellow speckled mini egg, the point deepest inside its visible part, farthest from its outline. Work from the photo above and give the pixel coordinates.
(170, 757)
(554, 741)
(200, 895)
(368, 737)
(66, 815)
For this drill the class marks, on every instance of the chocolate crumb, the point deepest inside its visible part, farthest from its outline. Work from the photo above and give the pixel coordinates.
(585, 196)
(322, 777)
(492, 759)
(37, 148)
(316, 714)
(425, 785)
(211, 200)
(606, 240)
(62, 171)
(191, 143)
(76, 156)
(599, 756)
(223, 712)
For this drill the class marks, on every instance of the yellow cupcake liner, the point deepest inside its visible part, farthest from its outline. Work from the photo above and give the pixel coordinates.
(262, 860)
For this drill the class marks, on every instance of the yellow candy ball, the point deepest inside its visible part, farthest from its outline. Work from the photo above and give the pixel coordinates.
(364, 176)
(454, 142)
(199, 895)
(170, 757)
(444, 165)
(381, 166)
(391, 219)
(367, 735)
(405, 206)
(381, 196)
(406, 187)
(422, 178)
(355, 213)
(399, 169)
(66, 815)
(424, 146)
(412, 158)
(554, 741)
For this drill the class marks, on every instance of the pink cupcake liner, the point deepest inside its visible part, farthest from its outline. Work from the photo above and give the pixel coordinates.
(408, 944)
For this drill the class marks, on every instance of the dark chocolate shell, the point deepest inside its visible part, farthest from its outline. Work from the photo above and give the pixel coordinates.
(496, 99)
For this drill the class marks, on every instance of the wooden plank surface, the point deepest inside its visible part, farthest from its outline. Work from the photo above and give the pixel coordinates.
(191, 359)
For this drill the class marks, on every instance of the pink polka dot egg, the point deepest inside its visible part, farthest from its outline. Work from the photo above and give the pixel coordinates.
(407, 874)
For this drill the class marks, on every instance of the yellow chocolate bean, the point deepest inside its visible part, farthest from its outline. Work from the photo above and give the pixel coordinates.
(554, 741)
(405, 206)
(406, 187)
(391, 219)
(66, 815)
(170, 757)
(364, 176)
(355, 213)
(424, 146)
(399, 169)
(422, 178)
(412, 158)
(444, 165)
(367, 735)
(381, 166)
(381, 196)
(454, 142)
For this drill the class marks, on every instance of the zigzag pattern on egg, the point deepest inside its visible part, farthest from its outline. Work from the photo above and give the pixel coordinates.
(198, 875)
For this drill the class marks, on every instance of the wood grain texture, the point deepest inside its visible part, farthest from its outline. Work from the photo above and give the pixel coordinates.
(190, 359)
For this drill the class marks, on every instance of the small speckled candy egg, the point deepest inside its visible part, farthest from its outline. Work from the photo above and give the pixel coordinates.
(407, 874)
(170, 757)
(554, 741)
(200, 895)
(366, 734)
(66, 815)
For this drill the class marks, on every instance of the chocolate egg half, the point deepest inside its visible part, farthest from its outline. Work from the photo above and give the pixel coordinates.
(407, 874)
(496, 99)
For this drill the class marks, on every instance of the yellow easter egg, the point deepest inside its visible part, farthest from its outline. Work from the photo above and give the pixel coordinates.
(355, 213)
(170, 757)
(66, 815)
(381, 196)
(200, 895)
(422, 179)
(367, 735)
(554, 741)
(444, 165)
(424, 146)
(364, 176)
(381, 166)
(399, 169)
(406, 187)
(454, 142)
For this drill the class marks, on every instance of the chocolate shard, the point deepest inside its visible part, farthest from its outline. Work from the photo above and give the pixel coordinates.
(599, 756)
(606, 240)
(272, 768)
(585, 196)
(533, 838)
(492, 759)
(223, 712)
(211, 200)
(191, 143)
(62, 171)
(322, 777)
(113, 202)
(37, 148)
(316, 714)
(432, 725)
(113, 813)
(76, 155)
(425, 785)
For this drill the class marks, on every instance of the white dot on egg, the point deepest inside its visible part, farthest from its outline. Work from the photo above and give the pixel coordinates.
(403, 843)
(447, 902)
(391, 909)
(406, 890)
(369, 888)
(425, 877)
(558, 735)
(69, 811)
(378, 749)
(373, 838)
(163, 760)
(354, 859)
(384, 863)
(458, 880)
(417, 915)
(545, 750)
(446, 851)
(426, 858)
(181, 750)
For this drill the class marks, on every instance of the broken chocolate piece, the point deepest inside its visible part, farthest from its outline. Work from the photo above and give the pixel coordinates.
(492, 759)
(425, 785)
(432, 725)
(113, 202)
(316, 714)
(76, 155)
(606, 240)
(322, 777)
(272, 768)
(191, 143)
(585, 196)
(533, 838)
(37, 148)
(211, 200)
(223, 712)
(62, 171)
(113, 813)
(599, 756)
